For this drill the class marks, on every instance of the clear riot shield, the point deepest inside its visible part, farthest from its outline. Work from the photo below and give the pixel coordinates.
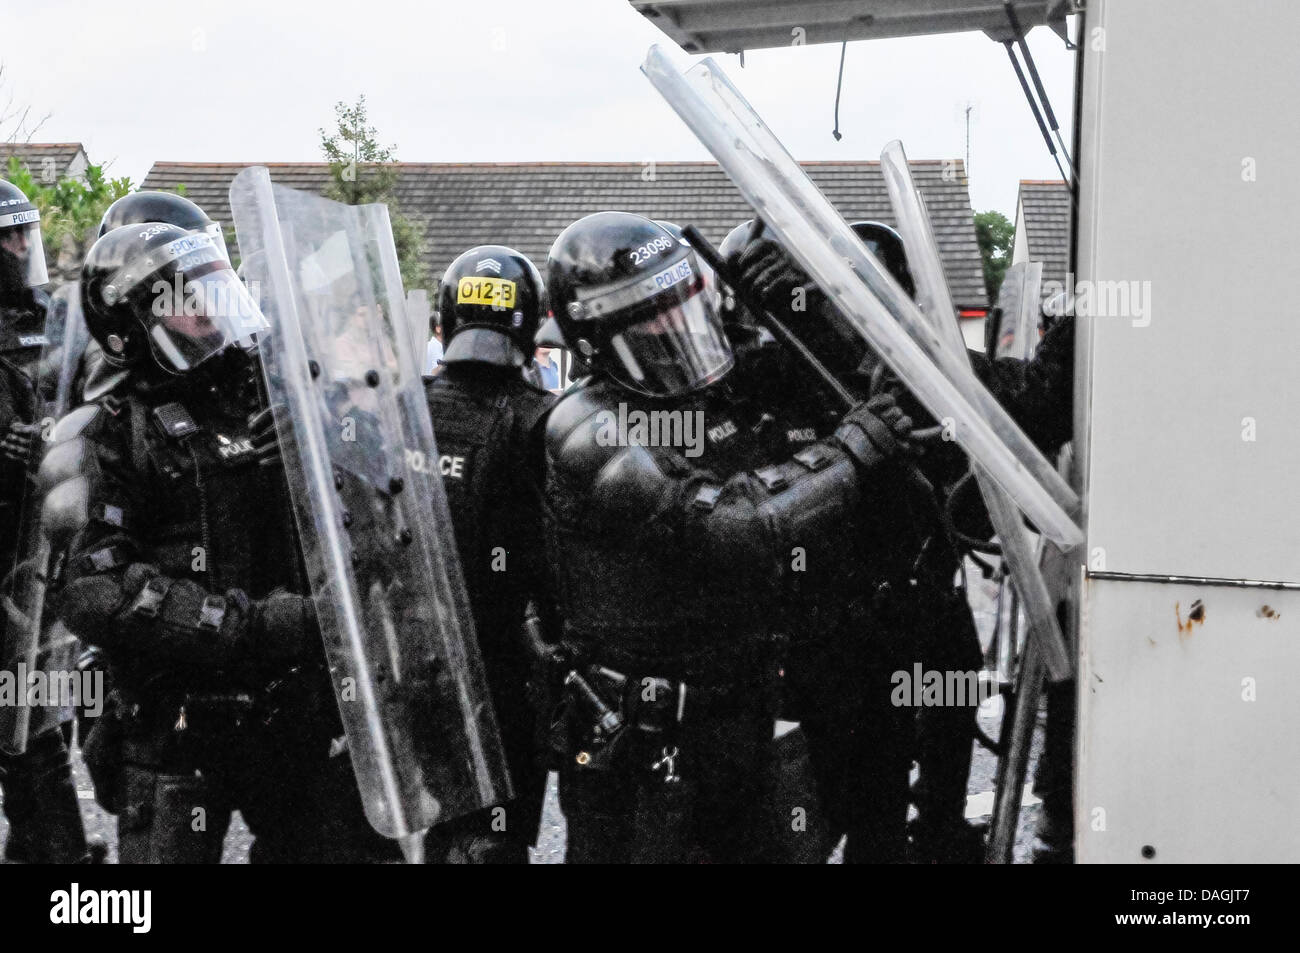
(375, 531)
(418, 315)
(67, 350)
(36, 648)
(807, 225)
(936, 303)
(1021, 307)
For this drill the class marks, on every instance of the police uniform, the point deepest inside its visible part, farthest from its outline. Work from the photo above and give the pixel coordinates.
(40, 799)
(177, 559)
(176, 556)
(488, 420)
(488, 424)
(677, 574)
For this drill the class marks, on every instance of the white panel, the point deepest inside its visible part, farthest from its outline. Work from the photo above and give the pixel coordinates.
(1188, 92)
(1169, 749)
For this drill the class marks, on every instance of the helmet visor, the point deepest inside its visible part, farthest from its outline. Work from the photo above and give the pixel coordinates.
(213, 311)
(219, 237)
(190, 299)
(679, 348)
(20, 236)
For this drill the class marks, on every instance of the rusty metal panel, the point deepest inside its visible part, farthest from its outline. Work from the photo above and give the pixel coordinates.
(1188, 750)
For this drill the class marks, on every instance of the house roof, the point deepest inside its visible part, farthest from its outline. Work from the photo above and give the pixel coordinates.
(1046, 213)
(40, 156)
(526, 205)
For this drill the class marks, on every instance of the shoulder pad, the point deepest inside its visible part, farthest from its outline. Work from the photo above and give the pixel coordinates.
(66, 510)
(572, 430)
(69, 455)
(76, 455)
(72, 424)
(102, 378)
(631, 486)
(622, 482)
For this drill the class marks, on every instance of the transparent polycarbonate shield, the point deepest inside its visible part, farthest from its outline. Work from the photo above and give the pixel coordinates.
(1019, 300)
(418, 315)
(808, 226)
(935, 300)
(375, 531)
(36, 647)
(67, 349)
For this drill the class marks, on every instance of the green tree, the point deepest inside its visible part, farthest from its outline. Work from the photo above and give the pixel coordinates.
(996, 237)
(362, 172)
(70, 209)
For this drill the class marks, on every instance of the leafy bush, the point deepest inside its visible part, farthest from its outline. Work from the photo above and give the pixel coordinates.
(70, 208)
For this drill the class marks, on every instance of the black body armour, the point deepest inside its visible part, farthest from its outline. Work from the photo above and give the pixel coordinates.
(680, 559)
(23, 334)
(487, 424)
(167, 477)
(22, 340)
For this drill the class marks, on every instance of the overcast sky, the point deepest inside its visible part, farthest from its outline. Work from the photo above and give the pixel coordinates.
(491, 80)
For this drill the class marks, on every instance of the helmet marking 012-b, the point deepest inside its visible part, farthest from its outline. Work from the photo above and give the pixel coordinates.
(490, 302)
(630, 299)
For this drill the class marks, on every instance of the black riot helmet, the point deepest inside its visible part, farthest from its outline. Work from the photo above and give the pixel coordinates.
(140, 207)
(631, 300)
(22, 256)
(157, 289)
(711, 283)
(490, 301)
(887, 245)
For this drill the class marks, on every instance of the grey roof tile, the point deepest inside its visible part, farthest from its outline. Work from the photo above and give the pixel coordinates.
(526, 205)
(35, 156)
(1046, 208)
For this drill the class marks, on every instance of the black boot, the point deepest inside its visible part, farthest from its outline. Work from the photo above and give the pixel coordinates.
(45, 825)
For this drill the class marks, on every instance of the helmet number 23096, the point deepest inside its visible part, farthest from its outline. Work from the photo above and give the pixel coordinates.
(650, 249)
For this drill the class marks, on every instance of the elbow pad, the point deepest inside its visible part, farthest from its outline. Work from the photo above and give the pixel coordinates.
(158, 619)
(787, 516)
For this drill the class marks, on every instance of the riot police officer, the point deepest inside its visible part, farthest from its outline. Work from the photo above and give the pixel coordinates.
(40, 800)
(919, 600)
(488, 423)
(681, 536)
(176, 557)
(99, 377)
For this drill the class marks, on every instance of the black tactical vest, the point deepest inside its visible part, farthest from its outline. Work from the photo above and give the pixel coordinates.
(486, 424)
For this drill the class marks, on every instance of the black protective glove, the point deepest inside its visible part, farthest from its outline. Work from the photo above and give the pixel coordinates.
(285, 629)
(874, 431)
(20, 443)
(765, 272)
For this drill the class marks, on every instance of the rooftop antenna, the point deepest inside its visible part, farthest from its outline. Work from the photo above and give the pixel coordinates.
(970, 107)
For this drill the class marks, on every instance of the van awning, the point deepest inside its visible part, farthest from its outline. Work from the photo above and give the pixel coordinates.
(731, 26)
